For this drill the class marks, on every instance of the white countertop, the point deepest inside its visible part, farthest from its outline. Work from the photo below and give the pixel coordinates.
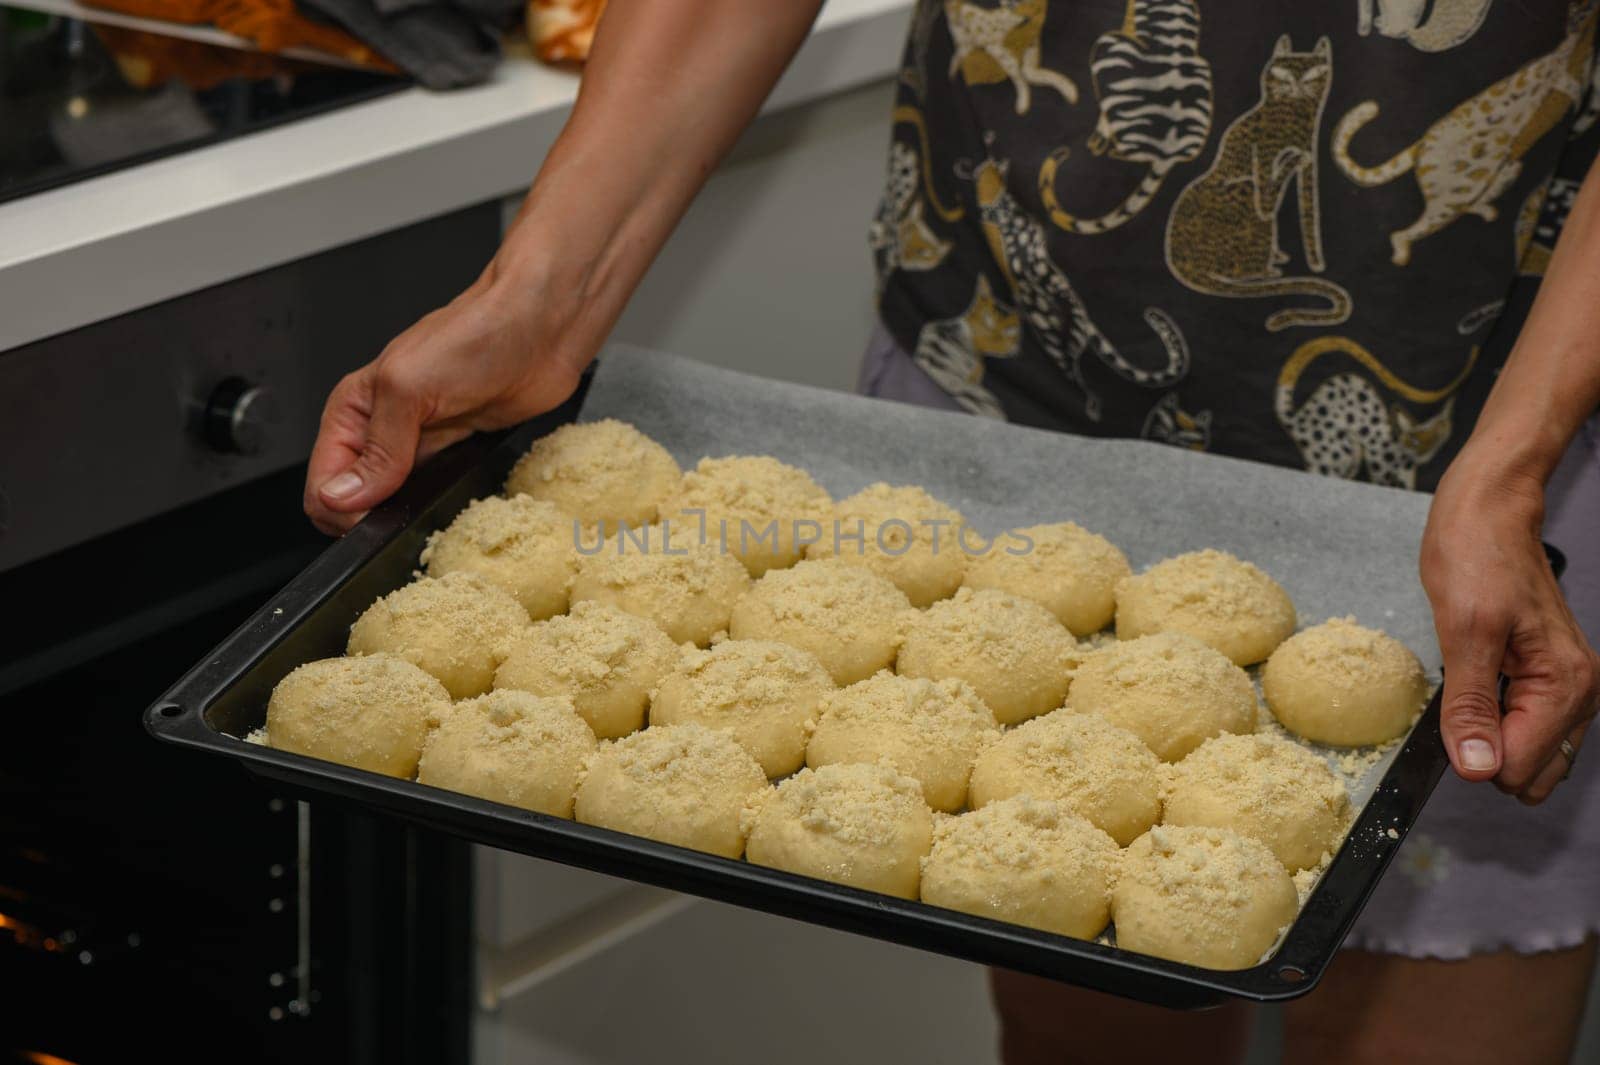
(101, 247)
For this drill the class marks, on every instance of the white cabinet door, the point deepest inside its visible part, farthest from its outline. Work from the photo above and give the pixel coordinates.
(719, 985)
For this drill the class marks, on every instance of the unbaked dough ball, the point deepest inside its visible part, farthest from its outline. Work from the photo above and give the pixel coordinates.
(848, 616)
(1026, 861)
(604, 473)
(513, 747)
(458, 627)
(765, 694)
(1170, 690)
(605, 660)
(370, 712)
(1070, 570)
(1210, 595)
(928, 729)
(901, 532)
(861, 825)
(680, 784)
(1344, 684)
(1263, 787)
(1098, 770)
(755, 505)
(524, 545)
(1201, 896)
(685, 586)
(1014, 653)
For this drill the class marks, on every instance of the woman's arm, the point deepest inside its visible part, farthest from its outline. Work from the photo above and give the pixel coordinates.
(1496, 604)
(669, 86)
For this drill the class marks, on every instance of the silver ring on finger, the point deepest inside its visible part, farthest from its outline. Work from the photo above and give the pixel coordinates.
(1570, 753)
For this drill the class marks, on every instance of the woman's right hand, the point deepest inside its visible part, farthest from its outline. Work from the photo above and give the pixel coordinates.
(489, 359)
(649, 126)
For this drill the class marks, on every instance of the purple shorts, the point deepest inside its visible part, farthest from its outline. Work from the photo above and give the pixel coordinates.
(1479, 872)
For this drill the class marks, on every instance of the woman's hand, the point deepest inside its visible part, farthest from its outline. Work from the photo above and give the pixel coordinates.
(647, 129)
(485, 361)
(1499, 612)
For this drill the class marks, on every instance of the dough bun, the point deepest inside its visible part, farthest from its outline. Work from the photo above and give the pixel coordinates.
(765, 694)
(1218, 599)
(861, 825)
(1170, 690)
(605, 660)
(604, 473)
(848, 616)
(1072, 571)
(679, 784)
(524, 545)
(1263, 787)
(1344, 684)
(510, 747)
(1201, 896)
(1014, 653)
(1030, 862)
(1101, 772)
(904, 534)
(370, 712)
(458, 627)
(760, 509)
(928, 729)
(685, 586)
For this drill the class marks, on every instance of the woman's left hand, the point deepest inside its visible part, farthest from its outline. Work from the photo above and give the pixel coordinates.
(1499, 612)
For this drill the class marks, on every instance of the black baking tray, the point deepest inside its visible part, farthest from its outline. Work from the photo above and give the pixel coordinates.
(225, 696)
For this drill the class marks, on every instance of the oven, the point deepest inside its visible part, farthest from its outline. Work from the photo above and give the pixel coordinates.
(150, 480)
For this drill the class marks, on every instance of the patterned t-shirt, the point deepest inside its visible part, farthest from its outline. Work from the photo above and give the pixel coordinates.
(1304, 233)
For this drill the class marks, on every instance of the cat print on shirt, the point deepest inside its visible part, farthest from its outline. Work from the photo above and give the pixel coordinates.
(1049, 306)
(1427, 25)
(1167, 423)
(1001, 43)
(1539, 224)
(1344, 426)
(1470, 157)
(1154, 90)
(952, 350)
(1222, 234)
(899, 236)
(909, 115)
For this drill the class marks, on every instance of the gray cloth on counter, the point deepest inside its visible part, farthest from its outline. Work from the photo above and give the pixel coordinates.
(444, 44)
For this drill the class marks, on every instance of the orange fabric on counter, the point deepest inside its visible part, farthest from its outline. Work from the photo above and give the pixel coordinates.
(271, 25)
(562, 30)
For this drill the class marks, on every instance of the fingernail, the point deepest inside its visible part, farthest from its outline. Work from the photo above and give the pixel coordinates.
(1476, 755)
(346, 484)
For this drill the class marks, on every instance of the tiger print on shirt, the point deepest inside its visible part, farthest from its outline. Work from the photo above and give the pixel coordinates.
(1154, 89)
(1047, 303)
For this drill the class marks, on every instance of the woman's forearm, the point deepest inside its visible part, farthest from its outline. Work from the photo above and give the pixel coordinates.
(1520, 678)
(667, 90)
(1551, 381)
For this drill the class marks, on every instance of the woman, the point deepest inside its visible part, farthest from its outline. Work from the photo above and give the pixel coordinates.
(1284, 234)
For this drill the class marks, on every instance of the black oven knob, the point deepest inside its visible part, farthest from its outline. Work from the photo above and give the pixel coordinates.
(239, 416)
